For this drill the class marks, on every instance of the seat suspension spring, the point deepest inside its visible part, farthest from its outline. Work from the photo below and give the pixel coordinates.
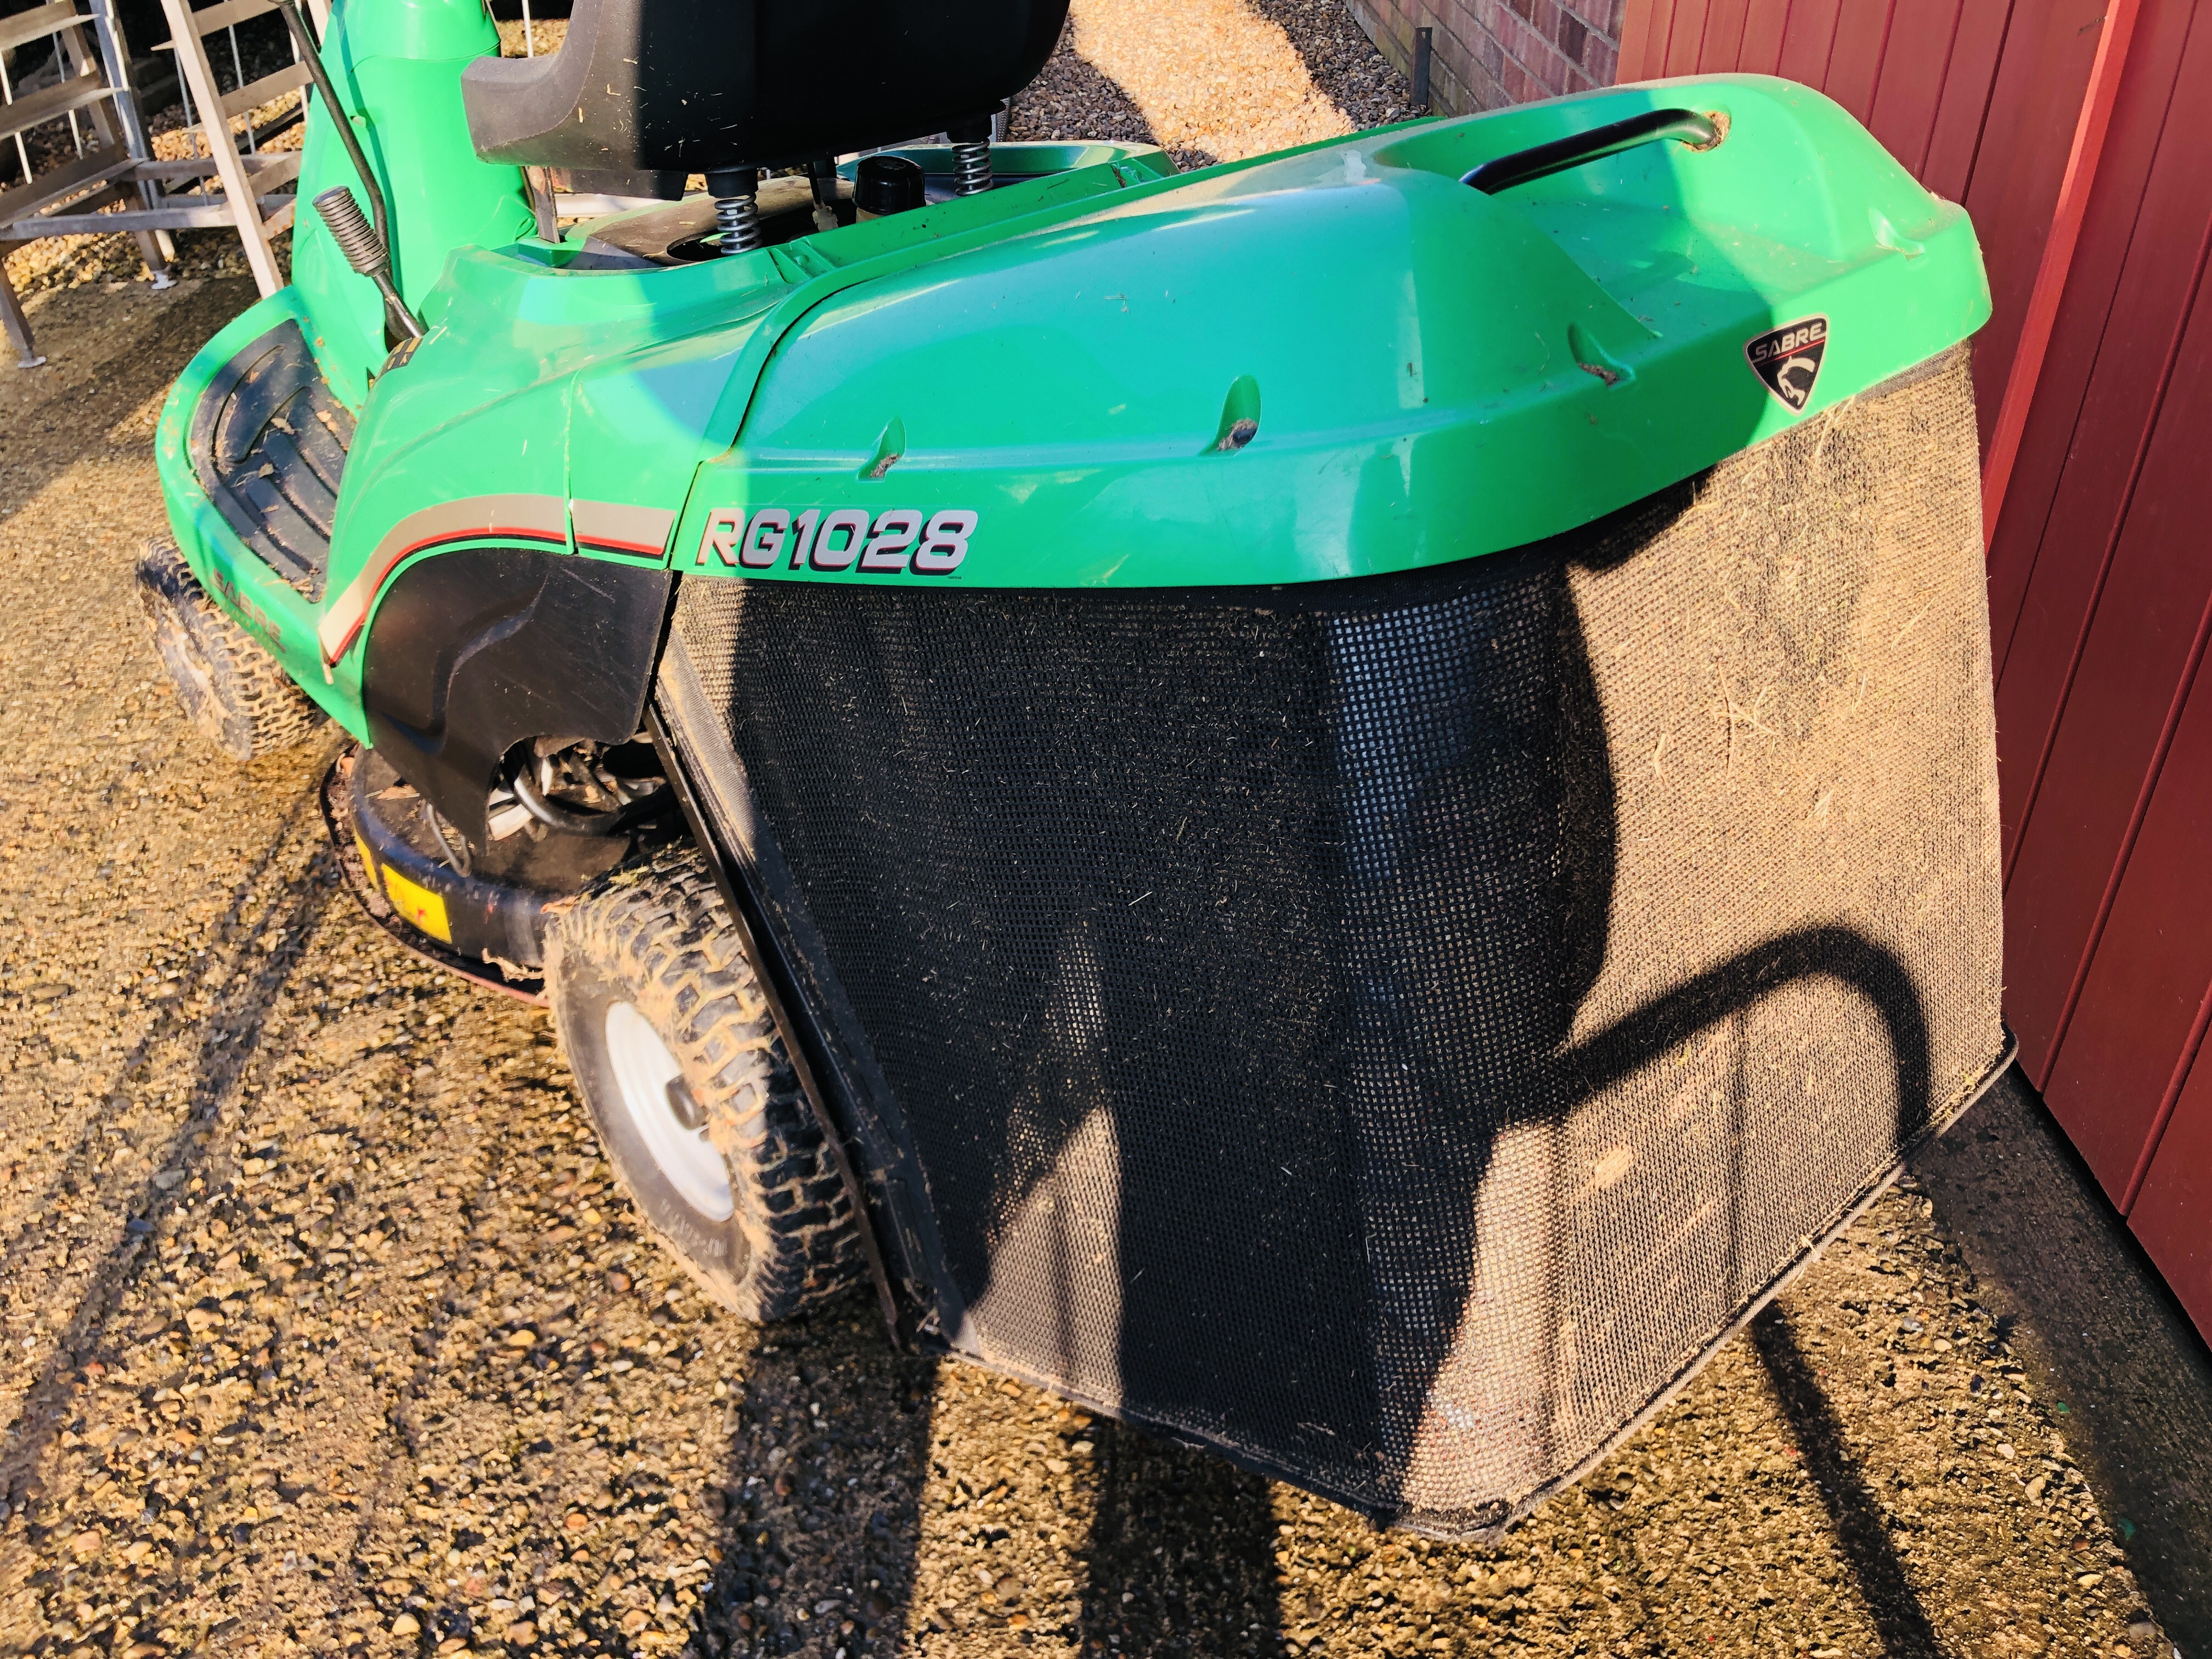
(971, 167)
(737, 208)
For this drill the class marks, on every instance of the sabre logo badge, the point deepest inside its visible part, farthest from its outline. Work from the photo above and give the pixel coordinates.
(1787, 359)
(896, 542)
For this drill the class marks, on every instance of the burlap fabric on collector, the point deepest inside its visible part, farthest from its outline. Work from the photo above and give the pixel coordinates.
(1390, 1030)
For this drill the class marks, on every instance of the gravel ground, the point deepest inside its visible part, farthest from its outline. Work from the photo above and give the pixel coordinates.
(322, 1330)
(2117, 1353)
(1210, 80)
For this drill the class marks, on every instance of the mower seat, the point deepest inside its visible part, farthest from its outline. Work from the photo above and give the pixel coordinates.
(699, 86)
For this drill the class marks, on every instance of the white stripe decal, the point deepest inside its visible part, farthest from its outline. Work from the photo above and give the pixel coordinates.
(642, 530)
(609, 526)
(520, 518)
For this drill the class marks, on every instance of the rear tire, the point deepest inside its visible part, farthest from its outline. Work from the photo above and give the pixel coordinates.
(231, 689)
(681, 1067)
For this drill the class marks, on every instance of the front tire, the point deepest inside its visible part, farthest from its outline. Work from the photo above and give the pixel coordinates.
(681, 1067)
(231, 689)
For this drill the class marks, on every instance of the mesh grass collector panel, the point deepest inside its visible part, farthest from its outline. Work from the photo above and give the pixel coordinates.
(1390, 1030)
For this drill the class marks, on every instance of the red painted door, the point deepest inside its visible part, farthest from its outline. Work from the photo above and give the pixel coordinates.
(2172, 1215)
(2124, 1060)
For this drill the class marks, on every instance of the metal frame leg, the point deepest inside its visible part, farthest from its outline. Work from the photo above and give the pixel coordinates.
(157, 264)
(16, 325)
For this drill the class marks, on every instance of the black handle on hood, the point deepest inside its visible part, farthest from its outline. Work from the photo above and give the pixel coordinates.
(1541, 160)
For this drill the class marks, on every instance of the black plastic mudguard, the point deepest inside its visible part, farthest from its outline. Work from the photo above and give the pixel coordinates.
(269, 440)
(474, 651)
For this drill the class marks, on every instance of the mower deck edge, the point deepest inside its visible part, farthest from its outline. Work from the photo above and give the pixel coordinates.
(415, 944)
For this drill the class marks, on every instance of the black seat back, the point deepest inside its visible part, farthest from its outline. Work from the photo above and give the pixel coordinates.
(700, 85)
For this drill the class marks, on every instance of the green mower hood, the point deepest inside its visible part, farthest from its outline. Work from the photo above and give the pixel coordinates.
(1333, 361)
(1341, 361)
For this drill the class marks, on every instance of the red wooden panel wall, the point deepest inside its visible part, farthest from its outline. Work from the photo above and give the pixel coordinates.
(2101, 564)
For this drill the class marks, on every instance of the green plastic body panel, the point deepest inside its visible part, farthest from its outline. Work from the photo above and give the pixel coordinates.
(516, 340)
(267, 607)
(1434, 374)
(397, 65)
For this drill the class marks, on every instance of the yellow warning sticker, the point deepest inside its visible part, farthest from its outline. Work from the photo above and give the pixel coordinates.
(423, 908)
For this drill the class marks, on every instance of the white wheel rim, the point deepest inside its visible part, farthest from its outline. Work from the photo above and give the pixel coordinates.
(643, 1069)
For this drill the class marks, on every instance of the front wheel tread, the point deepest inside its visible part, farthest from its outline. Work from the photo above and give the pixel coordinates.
(661, 933)
(231, 689)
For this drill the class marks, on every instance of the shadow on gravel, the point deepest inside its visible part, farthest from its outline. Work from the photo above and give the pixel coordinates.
(1072, 98)
(1329, 42)
(2125, 1364)
(1856, 1513)
(822, 1513)
(47, 415)
(827, 1515)
(1181, 1556)
(230, 1033)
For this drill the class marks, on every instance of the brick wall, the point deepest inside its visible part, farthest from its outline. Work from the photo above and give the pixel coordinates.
(1493, 52)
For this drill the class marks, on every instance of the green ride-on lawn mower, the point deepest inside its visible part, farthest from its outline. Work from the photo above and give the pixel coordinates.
(1341, 804)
